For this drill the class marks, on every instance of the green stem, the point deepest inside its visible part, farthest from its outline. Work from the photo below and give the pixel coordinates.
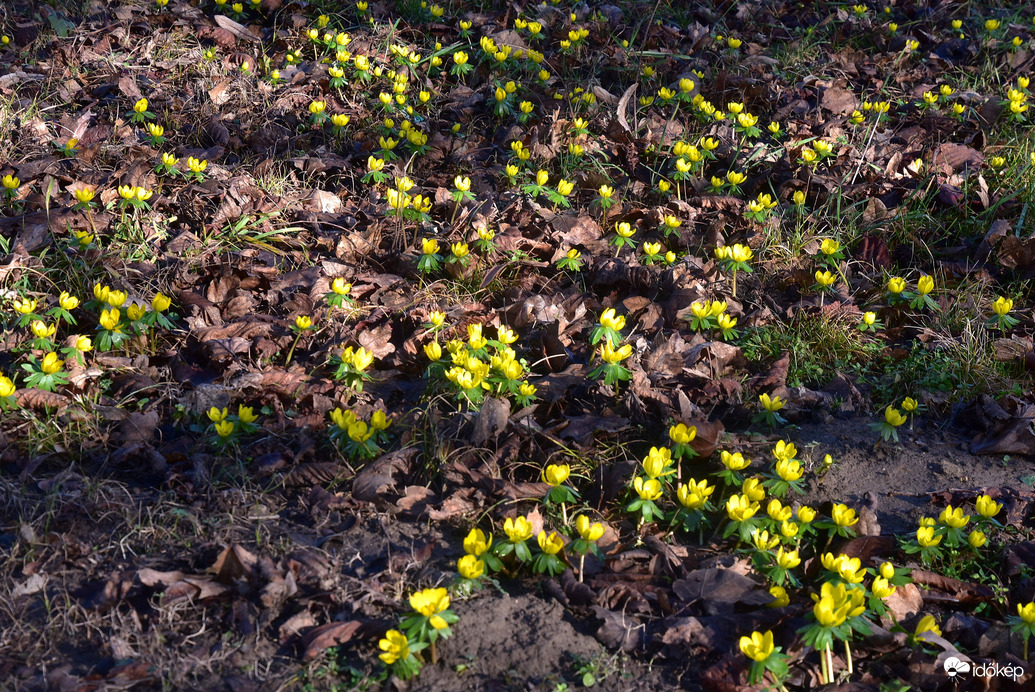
(848, 658)
(824, 672)
(291, 351)
(434, 654)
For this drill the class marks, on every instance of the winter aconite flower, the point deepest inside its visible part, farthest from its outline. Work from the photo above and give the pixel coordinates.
(394, 646)
(429, 603)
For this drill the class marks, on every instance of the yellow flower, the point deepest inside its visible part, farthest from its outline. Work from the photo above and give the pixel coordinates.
(828, 612)
(987, 507)
(155, 130)
(651, 248)
(611, 355)
(909, 404)
(476, 543)
(460, 250)
(224, 428)
(7, 387)
(777, 511)
(887, 570)
(869, 318)
(682, 434)
(927, 624)
(780, 597)
(806, 514)
(789, 470)
(612, 320)
(773, 404)
(757, 647)
(824, 278)
(1026, 613)
(953, 517)
(429, 603)
(303, 322)
(161, 302)
(67, 301)
(787, 560)
(83, 344)
(926, 537)
(762, 540)
(134, 312)
(734, 462)
(10, 182)
(881, 588)
(362, 358)
(556, 474)
(977, 539)
(740, 508)
(753, 490)
(590, 532)
(693, 494)
(896, 285)
(247, 414)
(649, 489)
(925, 285)
(195, 165)
(379, 420)
(893, 417)
(517, 530)
(843, 515)
(565, 187)
(741, 253)
(991, 24)
(429, 246)
(657, 461)
(470, 567)
(1002, 306)
(216, 415)
(83, 194)
(51, 364)
(40, 329)
(140, 106)
(168, 160)
(109, 319)
(550, 544)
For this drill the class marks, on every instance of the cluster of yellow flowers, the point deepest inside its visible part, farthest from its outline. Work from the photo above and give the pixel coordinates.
(474, 370)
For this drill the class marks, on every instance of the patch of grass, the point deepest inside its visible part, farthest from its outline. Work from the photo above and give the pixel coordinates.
(819, 347)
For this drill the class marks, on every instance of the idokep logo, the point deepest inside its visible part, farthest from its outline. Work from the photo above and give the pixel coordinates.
(957, 669)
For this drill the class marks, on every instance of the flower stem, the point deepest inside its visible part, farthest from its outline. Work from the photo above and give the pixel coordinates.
(734, 283)
(582, 568)
(434, 654)
(564, 512)
(291, 351)
(848, 658)
(824, 672)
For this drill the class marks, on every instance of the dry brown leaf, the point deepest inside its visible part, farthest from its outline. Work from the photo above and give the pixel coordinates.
(324, 637)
